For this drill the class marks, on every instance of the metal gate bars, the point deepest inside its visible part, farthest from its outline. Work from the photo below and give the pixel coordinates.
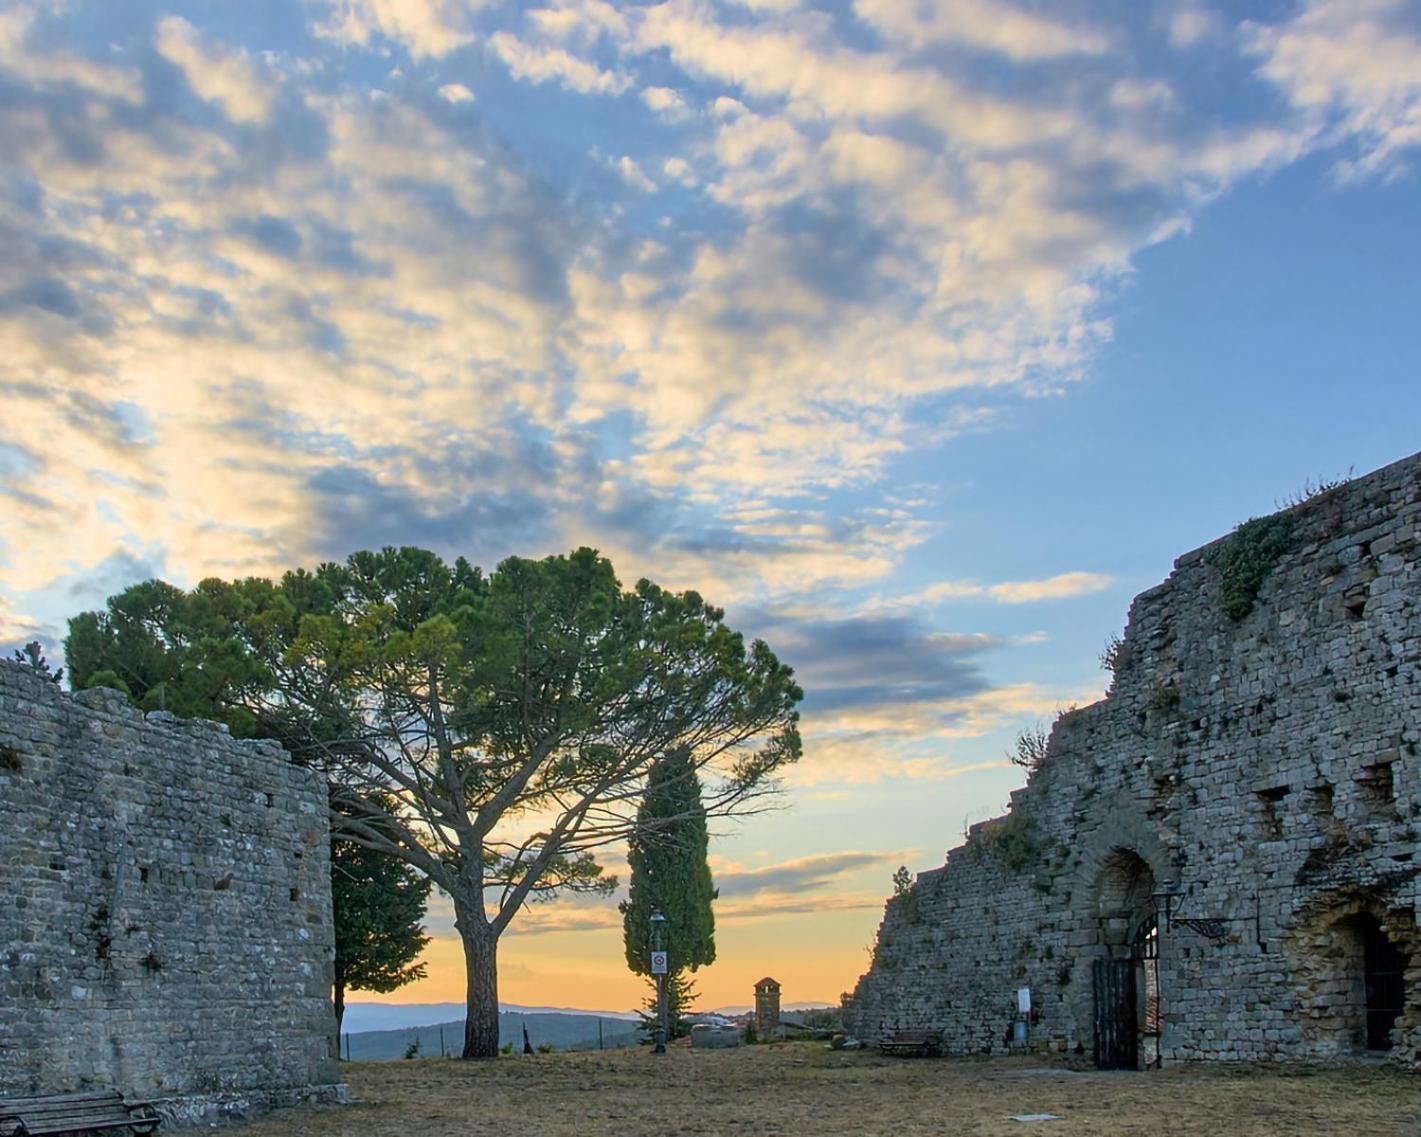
(1116, 1014)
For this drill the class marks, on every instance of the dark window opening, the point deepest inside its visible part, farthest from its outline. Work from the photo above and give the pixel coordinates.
(1268, 801)
(1378, 786)
(1384, 970)
(1354, 603)
(1321, 800)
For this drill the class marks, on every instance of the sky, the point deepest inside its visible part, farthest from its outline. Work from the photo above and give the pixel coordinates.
(920, 336)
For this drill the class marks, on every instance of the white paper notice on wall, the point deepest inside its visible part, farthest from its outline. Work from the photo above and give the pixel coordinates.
(1023, 1000)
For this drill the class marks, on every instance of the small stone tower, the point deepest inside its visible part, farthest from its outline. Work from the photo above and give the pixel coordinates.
(767, 1008)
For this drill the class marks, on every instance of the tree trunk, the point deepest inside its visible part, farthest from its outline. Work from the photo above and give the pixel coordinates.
(481, 966)
(338, 998)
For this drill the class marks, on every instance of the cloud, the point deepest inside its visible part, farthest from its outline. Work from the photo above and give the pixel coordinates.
(351, 508)
(634, 175)
(855, 663)
(219, 76)
(1353, 69)
(815, 883)
(59, 68)
(986, 25)
(1190, 25)
(1061, 586)
(817, 872)
(426, 28)
(329, 310)
(666, 103)
(456, 93)
(540, 64)
(16, 629)
(679, 170)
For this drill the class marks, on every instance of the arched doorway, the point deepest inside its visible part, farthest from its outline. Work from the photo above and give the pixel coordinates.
(1351, 960)
(1125, 972)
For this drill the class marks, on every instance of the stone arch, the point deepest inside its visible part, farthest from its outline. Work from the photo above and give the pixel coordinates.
(1103, 873)
(1340, 1003)
(1123, 890)
(1120, 865)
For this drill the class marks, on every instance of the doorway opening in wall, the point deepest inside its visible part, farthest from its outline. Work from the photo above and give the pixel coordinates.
(1351, 954)
(1126, 996)
(1383, 981)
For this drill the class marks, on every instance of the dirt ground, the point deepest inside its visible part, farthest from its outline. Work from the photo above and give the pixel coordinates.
(804, 1089)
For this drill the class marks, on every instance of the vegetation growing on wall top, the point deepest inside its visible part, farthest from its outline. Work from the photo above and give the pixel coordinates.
(1009, 840)
(1246, 558)
(1031, 748)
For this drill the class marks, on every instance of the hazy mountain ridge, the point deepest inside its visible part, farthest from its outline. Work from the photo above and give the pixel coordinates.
(361, 1018)
(559, 1030)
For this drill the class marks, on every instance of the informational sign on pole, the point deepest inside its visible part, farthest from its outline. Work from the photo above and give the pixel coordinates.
(658, 963)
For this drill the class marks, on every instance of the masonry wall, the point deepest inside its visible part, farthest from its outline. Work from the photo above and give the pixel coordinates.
(165, 912)
(1267, 765)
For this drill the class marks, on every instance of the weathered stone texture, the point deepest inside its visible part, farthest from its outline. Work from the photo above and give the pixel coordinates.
(166, 922)
(1268, 765)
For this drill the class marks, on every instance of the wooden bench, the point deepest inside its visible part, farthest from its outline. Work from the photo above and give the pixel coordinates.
(912, 1043)
(75, 1113)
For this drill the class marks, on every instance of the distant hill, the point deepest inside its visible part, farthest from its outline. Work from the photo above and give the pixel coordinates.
(561, 1031)
(785, 1009)
(361, 1017)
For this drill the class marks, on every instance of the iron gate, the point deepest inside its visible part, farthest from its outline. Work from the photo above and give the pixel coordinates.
(1116, 1011)
(1384, 968)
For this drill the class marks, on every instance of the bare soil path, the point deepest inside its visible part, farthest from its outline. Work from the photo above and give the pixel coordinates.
(803, 1090)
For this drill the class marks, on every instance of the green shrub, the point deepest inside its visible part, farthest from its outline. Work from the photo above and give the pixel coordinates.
(1010, 841)
(1245, 559)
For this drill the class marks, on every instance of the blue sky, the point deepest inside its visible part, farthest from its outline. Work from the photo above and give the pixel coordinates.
(921, 336)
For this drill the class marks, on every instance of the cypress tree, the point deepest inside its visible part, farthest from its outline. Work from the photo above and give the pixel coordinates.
(667, 857)
(379, 904)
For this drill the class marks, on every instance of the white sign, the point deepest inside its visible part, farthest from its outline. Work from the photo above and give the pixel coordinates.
(1023, 1000)
(658, 963)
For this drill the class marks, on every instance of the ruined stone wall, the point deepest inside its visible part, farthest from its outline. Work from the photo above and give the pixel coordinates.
(165, 911)
(1268, 765)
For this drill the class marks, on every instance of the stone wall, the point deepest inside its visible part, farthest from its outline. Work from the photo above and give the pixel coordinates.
(1266, 765)
(166, 917)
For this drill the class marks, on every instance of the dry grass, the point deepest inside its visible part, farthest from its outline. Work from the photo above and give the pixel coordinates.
(802, 1089)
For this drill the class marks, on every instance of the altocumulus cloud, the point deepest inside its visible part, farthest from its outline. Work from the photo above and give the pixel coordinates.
(363, 274)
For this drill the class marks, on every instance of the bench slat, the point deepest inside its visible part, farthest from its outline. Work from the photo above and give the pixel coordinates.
(45, 1099)
(69, 1113)
(924, 1042)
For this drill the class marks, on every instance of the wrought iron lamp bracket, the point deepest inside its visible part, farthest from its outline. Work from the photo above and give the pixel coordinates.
(1168, 901)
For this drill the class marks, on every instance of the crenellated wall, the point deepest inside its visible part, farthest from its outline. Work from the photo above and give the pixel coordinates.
(165, 910)
(1268, 765)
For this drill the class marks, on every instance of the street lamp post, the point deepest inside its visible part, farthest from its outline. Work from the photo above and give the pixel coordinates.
(658, 970)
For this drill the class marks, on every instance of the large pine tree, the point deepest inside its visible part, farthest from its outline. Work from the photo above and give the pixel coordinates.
(669, 872)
